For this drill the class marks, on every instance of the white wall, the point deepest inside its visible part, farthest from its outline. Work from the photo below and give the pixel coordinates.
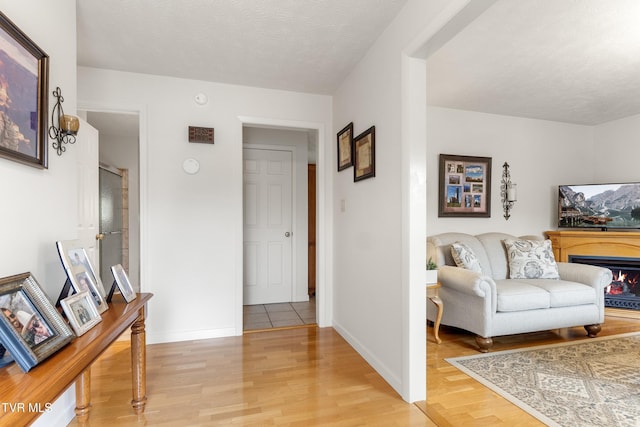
(616, 151)
(191, 254)
(370, 297)
(297, 141)
(40, 206)
(541, 155)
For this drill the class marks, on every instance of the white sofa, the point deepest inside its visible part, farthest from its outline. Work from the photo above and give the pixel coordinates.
(489, 303)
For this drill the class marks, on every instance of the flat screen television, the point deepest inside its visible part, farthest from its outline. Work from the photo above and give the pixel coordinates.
(600, 206)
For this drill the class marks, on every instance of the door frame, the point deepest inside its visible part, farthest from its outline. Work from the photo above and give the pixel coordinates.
(141, 112)
(323, 260)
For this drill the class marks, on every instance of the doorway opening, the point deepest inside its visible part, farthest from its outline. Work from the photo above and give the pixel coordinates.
(119, 147)
(279, 211)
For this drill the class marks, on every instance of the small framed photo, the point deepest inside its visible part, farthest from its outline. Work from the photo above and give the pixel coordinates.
(31, 328)
(81, 273)
(364, 155)
(464, 186)
(81, 312)
(121, 278)
(24, 102)
(345, 147)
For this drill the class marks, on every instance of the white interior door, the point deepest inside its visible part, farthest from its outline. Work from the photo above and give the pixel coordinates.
(267, 226)
(88, 195)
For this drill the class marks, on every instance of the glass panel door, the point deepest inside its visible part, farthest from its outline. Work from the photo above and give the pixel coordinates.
(111, 215)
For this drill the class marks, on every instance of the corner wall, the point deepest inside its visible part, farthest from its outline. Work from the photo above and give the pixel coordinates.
(40, 206)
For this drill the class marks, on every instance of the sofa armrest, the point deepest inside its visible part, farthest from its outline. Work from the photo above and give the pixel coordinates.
(467, 281)
(596, 277)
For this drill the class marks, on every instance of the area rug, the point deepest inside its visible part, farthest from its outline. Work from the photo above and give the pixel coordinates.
(594, 382)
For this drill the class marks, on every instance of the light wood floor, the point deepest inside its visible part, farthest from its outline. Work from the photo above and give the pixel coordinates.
(294, 377)
(304, 377)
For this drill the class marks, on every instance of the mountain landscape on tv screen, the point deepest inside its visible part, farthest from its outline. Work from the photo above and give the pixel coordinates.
(602, 206)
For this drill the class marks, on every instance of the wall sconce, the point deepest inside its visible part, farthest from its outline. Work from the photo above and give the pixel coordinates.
(67, 129)
(508, 191)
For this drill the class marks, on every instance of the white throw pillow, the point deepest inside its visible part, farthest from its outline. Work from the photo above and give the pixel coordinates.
(531, 259)
(464, 257)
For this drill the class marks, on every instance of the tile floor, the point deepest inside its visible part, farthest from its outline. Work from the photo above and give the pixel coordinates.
(267, 316)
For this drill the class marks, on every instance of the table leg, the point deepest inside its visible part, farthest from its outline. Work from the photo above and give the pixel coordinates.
(436, 326)
(139, 363)
(83, 395)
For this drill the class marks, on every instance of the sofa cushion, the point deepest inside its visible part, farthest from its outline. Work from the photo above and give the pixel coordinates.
(563, 293)
(531, 259)
(515, 295)
(464, 257)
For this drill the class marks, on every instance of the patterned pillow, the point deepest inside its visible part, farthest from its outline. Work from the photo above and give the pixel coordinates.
(464, 257)
(531, 259)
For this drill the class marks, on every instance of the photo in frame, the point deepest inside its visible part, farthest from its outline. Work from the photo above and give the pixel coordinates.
(124, 285)
(24, 86)
(81, 312)
(80, 272)
(345, 147)
(31, 329)
(464, 186)
(364, 155)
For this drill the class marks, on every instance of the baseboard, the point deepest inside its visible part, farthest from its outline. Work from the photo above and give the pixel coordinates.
(189, 335)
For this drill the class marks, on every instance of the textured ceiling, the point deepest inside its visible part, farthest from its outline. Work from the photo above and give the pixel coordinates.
(298, 45)
(574, 61)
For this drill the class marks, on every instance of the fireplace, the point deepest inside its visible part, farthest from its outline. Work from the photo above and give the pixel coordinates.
(624, 289)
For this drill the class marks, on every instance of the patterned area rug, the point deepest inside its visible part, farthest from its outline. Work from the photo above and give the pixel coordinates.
(593, 382)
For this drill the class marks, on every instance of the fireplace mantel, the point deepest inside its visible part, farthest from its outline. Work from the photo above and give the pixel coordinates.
(595, 243)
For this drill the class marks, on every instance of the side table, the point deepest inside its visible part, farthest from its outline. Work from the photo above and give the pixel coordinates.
(432, 295)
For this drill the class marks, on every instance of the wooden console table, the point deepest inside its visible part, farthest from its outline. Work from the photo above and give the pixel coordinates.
(26, 395)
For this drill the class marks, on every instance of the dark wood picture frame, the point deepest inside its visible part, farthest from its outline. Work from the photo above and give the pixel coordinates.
(364, 155)
(24, 82)
(345, 147)
(464, 188)
(31, 328)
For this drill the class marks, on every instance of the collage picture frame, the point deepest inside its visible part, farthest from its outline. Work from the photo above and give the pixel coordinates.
(31, 329)
(464, 186)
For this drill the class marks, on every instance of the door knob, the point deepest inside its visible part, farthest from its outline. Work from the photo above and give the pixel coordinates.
(287, 234)
(99, 236)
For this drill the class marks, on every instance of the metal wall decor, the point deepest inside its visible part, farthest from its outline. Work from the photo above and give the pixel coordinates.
(67, 126)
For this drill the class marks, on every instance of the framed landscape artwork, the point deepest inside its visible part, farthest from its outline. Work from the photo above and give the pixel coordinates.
(24, 86)
(31, 328)
(464, 186)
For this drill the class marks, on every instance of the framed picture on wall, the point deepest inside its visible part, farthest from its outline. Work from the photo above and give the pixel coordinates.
(464, 186)
(364, 155)
(31, 328)
(24, 86)
(345, 147)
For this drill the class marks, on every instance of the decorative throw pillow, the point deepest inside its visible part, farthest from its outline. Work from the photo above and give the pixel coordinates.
(531, 259)
(464, 257)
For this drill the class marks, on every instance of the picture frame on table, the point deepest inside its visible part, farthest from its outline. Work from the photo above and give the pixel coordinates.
(24, 82)
(364, 155)
(31, 329)
(345, 147)
(464, 186)
(124, 285)
(80, 272)
(81, 312)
